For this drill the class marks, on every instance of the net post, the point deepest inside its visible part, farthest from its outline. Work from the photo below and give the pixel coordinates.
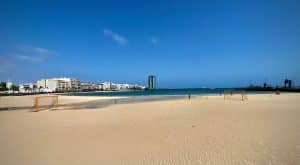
(242, 97)
(56, 102)
(36, 100)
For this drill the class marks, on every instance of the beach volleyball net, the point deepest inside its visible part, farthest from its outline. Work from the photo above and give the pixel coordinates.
(239, 95)
(45, 102)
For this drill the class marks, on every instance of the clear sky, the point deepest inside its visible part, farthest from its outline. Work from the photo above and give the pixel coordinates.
(184, 43)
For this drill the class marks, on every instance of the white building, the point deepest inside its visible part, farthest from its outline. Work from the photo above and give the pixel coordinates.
(9, 85)
(28, 88)
(58, 85)
(112, 86)
(106, 86)
(88, 86)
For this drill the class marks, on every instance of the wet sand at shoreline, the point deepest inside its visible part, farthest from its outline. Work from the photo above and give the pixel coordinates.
(204, 130)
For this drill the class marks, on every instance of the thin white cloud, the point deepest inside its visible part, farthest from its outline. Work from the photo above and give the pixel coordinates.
(117, 37)
(34, 54)
(43, 51)
(154, 40)
(30, 58)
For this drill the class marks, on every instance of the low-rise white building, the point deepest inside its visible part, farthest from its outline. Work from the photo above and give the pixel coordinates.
(9, 85)
(106, 86)
(88, 86)
(28, 88)
(59, 84)
(113, 86)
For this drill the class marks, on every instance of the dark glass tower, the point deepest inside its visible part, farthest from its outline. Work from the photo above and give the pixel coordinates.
(151, 82)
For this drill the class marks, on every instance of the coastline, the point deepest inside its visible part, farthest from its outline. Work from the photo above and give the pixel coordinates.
(162, 91)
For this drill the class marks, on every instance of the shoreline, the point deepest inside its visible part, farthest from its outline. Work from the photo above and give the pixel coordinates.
(128, 93)
(8, 103)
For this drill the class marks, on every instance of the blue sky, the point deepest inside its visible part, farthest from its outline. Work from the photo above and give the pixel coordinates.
(183, 43)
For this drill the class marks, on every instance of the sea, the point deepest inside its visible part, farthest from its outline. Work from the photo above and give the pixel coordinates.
(160, 92)
(135, 96)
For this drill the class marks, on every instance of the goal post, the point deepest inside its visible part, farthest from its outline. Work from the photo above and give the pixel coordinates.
(45, 102)
(235, 95)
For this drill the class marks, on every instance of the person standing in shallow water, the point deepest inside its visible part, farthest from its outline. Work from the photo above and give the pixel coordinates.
(189, 96)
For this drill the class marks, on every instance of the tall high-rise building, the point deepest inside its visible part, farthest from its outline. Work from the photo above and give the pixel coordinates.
(151, 82)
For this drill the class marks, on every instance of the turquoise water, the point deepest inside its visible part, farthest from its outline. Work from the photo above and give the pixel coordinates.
(147, 95)
(158, 92)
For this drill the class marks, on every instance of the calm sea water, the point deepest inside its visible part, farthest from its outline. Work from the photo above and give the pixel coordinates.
(158, 92)
(147, 95)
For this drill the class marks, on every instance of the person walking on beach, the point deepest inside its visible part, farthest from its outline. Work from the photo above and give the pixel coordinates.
(189, 96)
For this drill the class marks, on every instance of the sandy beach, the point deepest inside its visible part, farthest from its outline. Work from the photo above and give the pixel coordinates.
(27, 101)
(265, 129)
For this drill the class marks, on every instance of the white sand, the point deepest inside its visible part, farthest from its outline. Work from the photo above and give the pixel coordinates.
(263, 130)
(28, 101)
